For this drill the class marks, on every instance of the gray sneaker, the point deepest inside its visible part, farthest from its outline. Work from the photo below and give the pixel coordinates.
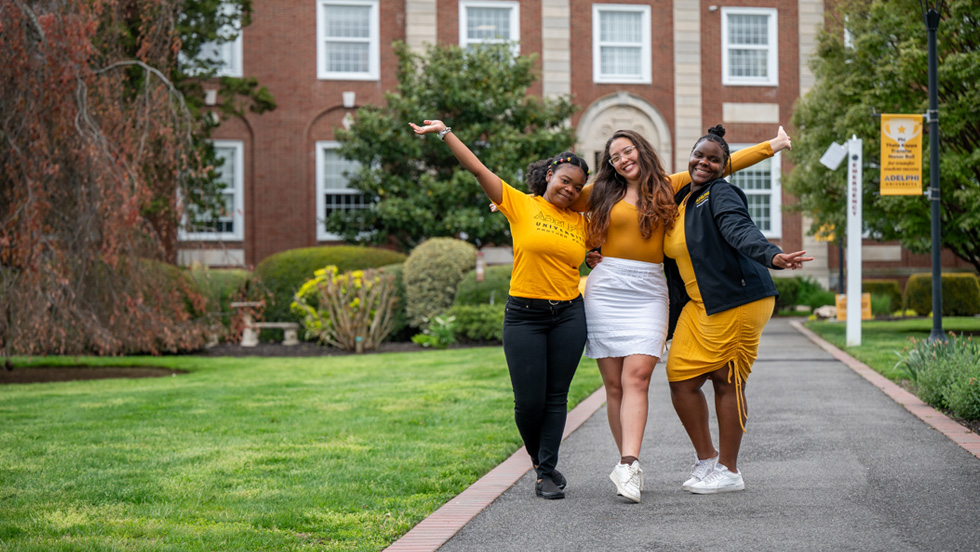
(627, 480)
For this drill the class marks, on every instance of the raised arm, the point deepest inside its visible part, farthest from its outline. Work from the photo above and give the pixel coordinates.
(489, 181)
(743, 158)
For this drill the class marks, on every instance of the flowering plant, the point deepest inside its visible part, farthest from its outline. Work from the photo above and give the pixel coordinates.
(351, 310)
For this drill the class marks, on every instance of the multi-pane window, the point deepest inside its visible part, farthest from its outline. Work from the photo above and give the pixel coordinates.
(487, 22)
(761, 185)
(749, 47)
(229, 222)
(332, 192)
(226, 55)
(348, 39)
(621, 43)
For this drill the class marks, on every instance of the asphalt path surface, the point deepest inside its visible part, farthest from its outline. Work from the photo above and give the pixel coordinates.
(829, 461)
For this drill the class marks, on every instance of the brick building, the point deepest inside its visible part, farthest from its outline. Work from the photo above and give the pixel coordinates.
(667, 69)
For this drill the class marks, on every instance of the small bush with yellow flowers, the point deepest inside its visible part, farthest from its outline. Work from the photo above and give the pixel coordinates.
(352, 310)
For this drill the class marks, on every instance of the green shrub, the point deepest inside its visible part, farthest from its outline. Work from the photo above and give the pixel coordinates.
(493, 289)
(789, 290)
(960, 293)
(946, 373)
(399, 328)
(880, 304)
(432, 273)
(479, 322)
(283, 273)
(813, 295)
(439, 333)
(220, 287)
(886, 288)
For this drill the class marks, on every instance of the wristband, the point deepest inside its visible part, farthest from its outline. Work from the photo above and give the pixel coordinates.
(442, 133)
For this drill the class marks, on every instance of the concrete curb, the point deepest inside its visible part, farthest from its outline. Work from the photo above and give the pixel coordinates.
(960, 435)
(433, 531)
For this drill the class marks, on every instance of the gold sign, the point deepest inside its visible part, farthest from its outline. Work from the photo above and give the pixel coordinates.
(901, 154)
(865, 306)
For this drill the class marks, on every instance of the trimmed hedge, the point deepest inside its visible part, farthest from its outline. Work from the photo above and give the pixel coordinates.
(283, 273)
(479, 322)
(888, 288)
(960, 293)
(789, 290)
(495, 286)
(433, 271)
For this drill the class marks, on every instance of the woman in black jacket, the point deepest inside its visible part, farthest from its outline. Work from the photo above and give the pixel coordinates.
(720, 259)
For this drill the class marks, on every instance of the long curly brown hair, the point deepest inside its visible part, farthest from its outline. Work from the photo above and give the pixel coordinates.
(656, 199)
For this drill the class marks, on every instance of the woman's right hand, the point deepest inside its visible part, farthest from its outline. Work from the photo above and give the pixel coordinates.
(592, 258)
(781, 141)
(434, 125)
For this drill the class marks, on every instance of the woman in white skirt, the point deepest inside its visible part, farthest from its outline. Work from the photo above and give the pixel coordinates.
(631, 205)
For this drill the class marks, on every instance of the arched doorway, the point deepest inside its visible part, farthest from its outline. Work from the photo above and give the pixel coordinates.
(623, 111)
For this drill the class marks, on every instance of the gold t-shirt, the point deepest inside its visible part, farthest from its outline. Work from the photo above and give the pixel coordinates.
(549, 246)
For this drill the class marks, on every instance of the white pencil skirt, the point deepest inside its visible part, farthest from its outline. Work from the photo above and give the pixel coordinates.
(626, 309)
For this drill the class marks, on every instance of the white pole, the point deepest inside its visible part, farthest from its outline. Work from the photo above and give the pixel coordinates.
(854, 232)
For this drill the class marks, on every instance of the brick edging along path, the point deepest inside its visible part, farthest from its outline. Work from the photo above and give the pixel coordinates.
(441, 525)
(956, 432)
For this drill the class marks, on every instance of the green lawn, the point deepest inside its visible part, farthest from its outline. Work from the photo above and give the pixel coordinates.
(882, 342)
(329, 453)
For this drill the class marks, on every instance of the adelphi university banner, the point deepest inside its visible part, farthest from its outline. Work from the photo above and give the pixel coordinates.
(901, 154)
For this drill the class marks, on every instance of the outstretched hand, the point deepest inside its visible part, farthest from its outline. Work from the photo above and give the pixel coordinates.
(781, 141)
(791, 261)
(434, 125)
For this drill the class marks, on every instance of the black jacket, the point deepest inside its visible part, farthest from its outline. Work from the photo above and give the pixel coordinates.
(728, 251)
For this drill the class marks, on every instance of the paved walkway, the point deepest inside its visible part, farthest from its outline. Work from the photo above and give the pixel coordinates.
(836, 458)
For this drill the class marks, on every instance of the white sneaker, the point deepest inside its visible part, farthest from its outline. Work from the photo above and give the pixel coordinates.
(699, 470)
(720, 480)
(628, 480)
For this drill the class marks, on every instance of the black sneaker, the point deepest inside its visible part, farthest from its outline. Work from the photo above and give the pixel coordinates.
(546, 488)
(559, 479)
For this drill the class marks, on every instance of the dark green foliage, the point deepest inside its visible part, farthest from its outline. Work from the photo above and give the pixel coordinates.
(479, 322)
(960, 293)
(494, 288)
(432, 273)
(789, 290)
(885, 71)
(220, 287)
(946, 373)
(283, 273)
(884, 288)
(415, 188)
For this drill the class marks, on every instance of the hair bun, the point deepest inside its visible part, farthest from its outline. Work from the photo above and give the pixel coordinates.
(717, 130)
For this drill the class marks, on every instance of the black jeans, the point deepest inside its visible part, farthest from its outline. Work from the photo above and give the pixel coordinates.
(543, 342)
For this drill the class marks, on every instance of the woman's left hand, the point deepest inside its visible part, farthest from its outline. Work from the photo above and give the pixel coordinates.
(433, 125)
(791, 261)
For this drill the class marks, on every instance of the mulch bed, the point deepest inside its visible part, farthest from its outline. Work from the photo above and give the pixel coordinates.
(47, 374)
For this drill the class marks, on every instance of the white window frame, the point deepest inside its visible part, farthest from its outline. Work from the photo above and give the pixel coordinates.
(238, 199)
(775, 192)
(772, 60)
(645, 76)
(373, 41)
(515, 22)
(321, 204)
(231, 51)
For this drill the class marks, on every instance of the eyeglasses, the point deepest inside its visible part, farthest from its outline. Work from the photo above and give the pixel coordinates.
(615, 159)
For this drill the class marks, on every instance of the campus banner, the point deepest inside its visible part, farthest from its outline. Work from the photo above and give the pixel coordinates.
(901, 154)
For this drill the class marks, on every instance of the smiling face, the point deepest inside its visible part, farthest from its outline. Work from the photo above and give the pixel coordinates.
(565, 183)
(624, 157)
(707, 163)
